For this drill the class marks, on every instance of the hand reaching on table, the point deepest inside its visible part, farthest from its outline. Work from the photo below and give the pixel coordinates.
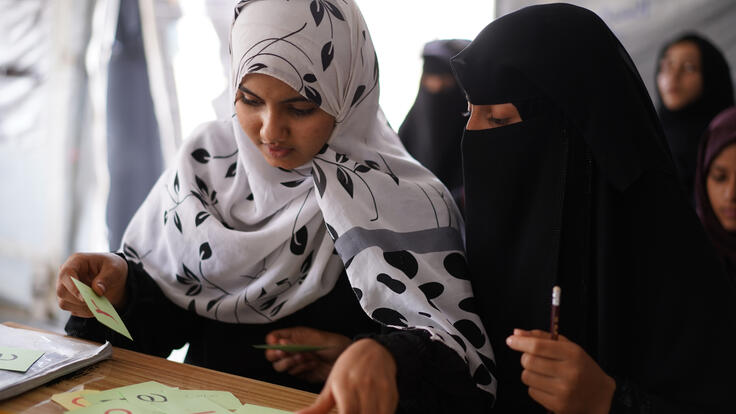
(312, 366)
(363, 381)
(105, 273)
(561, 376)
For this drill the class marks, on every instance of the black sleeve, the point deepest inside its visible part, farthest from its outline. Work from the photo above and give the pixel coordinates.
(156, 324)
(431, 377)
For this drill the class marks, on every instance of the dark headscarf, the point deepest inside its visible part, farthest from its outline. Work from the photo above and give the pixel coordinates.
(720, 134)
(582, 193)
(434, 125)
(684, 126)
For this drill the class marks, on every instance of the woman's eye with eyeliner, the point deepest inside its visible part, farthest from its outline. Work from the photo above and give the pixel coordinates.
(247, 101)
(302, 111)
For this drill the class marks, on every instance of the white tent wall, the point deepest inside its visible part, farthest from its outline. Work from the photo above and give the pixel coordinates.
(643, 26)
(44, 145)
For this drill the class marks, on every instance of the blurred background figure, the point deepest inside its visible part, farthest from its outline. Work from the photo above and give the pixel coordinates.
(434, 125)
(134, 156)
(715, 186)
(693, 85)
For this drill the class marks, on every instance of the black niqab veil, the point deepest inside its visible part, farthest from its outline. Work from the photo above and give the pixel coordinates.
(684, 127)
(434, 125)
(582, 193)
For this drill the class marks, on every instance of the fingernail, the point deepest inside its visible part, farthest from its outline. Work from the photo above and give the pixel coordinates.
(101, 286)
(509, 340)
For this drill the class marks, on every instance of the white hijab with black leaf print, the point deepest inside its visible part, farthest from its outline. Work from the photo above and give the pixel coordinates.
(231, 238)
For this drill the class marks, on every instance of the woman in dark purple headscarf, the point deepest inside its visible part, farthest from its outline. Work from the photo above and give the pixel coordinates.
(715, 186)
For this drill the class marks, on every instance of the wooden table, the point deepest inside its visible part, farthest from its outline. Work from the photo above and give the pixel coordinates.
(128, 367)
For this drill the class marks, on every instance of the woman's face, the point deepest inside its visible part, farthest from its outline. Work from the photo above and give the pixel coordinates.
(721, 185)
(287, 128)
(680, 79)
(491, 116)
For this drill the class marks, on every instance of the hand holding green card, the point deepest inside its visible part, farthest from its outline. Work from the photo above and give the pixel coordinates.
(102, 309)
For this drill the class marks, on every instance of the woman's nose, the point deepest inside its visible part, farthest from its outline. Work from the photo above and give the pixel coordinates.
(273, 127)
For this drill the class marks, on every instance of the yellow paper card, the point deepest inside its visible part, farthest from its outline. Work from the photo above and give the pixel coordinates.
(73, 400)
(114, 407)
(102, 309)
(222, 398)
(257, 409)
(18, 359)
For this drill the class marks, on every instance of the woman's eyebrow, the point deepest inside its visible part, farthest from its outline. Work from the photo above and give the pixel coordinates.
(297, 98)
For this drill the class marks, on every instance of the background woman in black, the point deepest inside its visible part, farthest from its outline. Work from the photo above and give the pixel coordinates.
(693, 85)
(434, 125)
(568, 181)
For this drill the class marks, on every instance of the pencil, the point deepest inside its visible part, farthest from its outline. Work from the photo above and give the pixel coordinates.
(554, 316)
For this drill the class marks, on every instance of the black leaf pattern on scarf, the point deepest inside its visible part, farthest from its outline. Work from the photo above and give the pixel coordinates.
(299, 241)
(202, 185)
(456, 266)
(166, 216)
(310, 78)
(277, 308)
(319, 179)
(373, 164)
(267, 304)
(358, 293)
(199, 197)
(334, 10)
(177, 222)
(358, 93)
(192, 307)
(201, 155)
(328, 52)
(292, 184)
(201, 217)
(347, 264)
(313, 95)
(341, 158)
(345, 181)
(205, 251)
(189, 278)
(323, 149)
(214, 301)
(332, 231)
(129, 251)
(404, 261)
(362, 168)
(471, 332)
(250, 197)
(318, 12)
(256, 67)
(213, 197)
(176, 183)
(307, 264)
(231, 170)
(468, 305)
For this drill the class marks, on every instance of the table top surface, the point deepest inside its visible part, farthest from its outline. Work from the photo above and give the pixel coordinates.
(128, 367)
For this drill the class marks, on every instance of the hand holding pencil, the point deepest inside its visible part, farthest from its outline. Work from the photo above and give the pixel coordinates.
(560, 375)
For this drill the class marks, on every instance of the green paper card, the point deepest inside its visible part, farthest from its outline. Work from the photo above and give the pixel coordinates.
(114, 407)
(102, 309)
(222, 398)
(134, 390)
(18, 359)
(149, 394)
(257, 409)
(292, 347)
(196, 406)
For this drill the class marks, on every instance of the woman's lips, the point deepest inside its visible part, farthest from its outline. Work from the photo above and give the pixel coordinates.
(277, 151)
(729, 212)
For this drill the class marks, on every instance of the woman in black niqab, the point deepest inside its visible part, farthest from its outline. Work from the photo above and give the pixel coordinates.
(582, 193)
(434, 125)
(685, 122)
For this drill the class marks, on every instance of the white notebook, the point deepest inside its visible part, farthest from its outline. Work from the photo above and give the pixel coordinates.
(61, 356)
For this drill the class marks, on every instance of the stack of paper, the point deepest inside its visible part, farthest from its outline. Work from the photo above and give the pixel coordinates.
(154, 398)
(40, 358)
